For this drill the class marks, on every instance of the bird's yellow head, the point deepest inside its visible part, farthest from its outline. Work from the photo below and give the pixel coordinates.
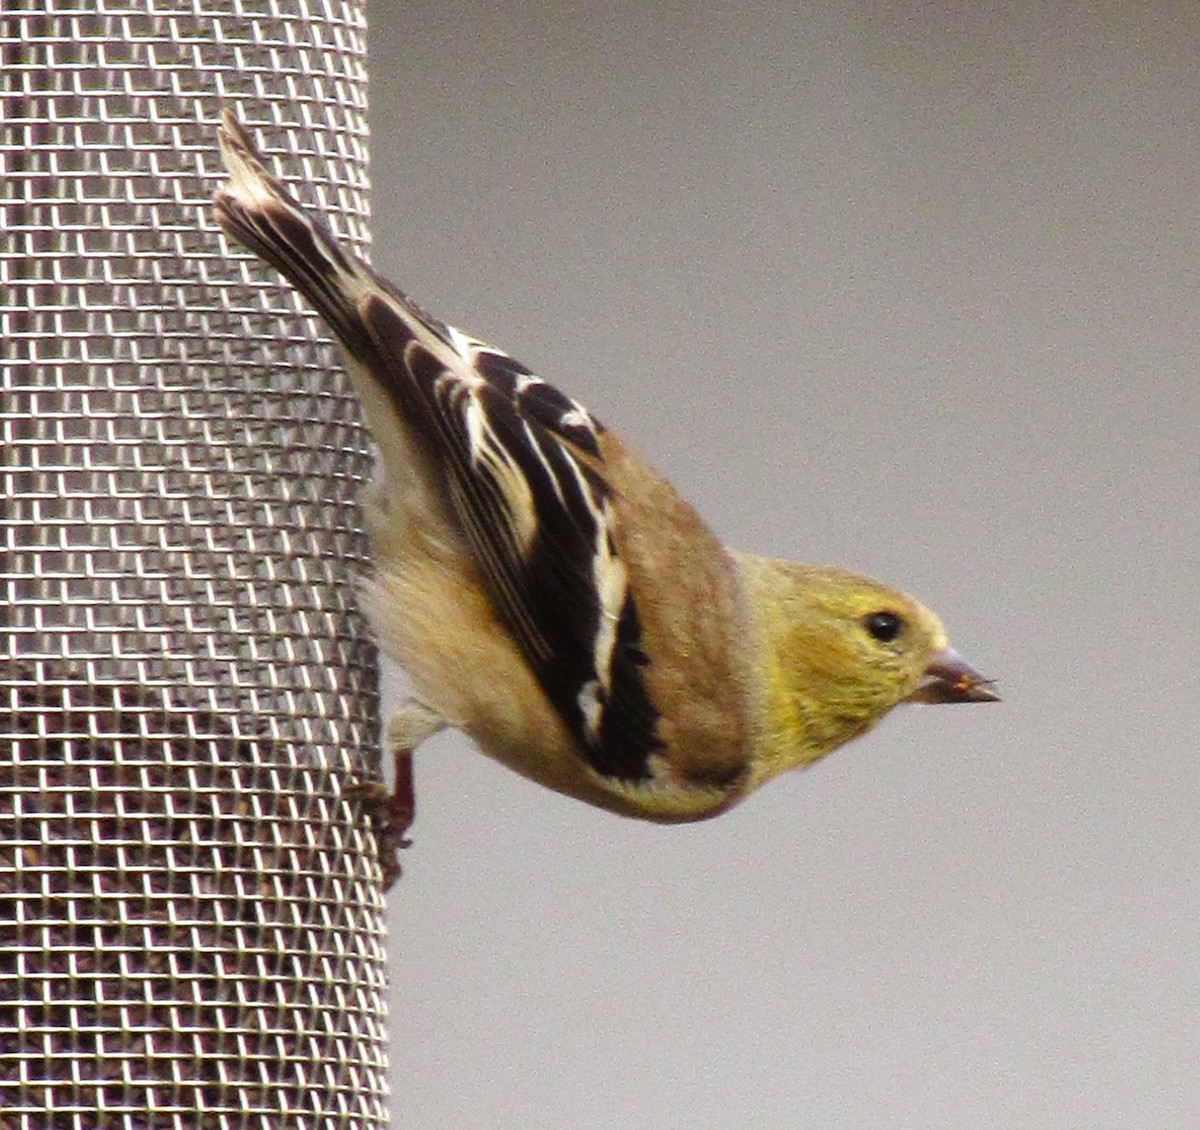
(837, 651)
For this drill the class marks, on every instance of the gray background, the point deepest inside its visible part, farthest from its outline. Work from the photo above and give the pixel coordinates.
(903, 287)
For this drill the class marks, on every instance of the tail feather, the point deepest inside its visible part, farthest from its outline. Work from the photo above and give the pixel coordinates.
(257, 211)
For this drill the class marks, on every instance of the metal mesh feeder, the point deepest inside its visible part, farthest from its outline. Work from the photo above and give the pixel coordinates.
(190, 916)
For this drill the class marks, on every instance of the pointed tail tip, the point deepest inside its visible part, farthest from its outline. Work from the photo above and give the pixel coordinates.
(233, 135)
(249, 179)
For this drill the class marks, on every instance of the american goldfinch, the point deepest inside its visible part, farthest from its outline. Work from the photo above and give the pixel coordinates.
(550, 594)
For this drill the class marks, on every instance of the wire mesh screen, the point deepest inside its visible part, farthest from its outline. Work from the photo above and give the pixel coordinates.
(190, 918)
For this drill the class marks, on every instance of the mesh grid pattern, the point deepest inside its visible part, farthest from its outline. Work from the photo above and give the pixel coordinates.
(190, 918)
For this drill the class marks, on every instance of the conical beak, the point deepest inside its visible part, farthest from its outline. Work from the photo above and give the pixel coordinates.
(950, 678)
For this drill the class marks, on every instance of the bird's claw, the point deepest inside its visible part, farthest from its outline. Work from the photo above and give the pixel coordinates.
(391, 815)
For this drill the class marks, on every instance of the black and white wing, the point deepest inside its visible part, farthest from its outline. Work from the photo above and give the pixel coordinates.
(521, 463)
(541, 522)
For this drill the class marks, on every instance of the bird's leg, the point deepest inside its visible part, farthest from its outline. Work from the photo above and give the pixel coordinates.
(392, 812)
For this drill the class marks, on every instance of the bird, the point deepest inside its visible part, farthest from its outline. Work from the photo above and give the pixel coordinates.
(551, 595)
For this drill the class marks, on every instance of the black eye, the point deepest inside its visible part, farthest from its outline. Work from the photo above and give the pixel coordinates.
(884, 626)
